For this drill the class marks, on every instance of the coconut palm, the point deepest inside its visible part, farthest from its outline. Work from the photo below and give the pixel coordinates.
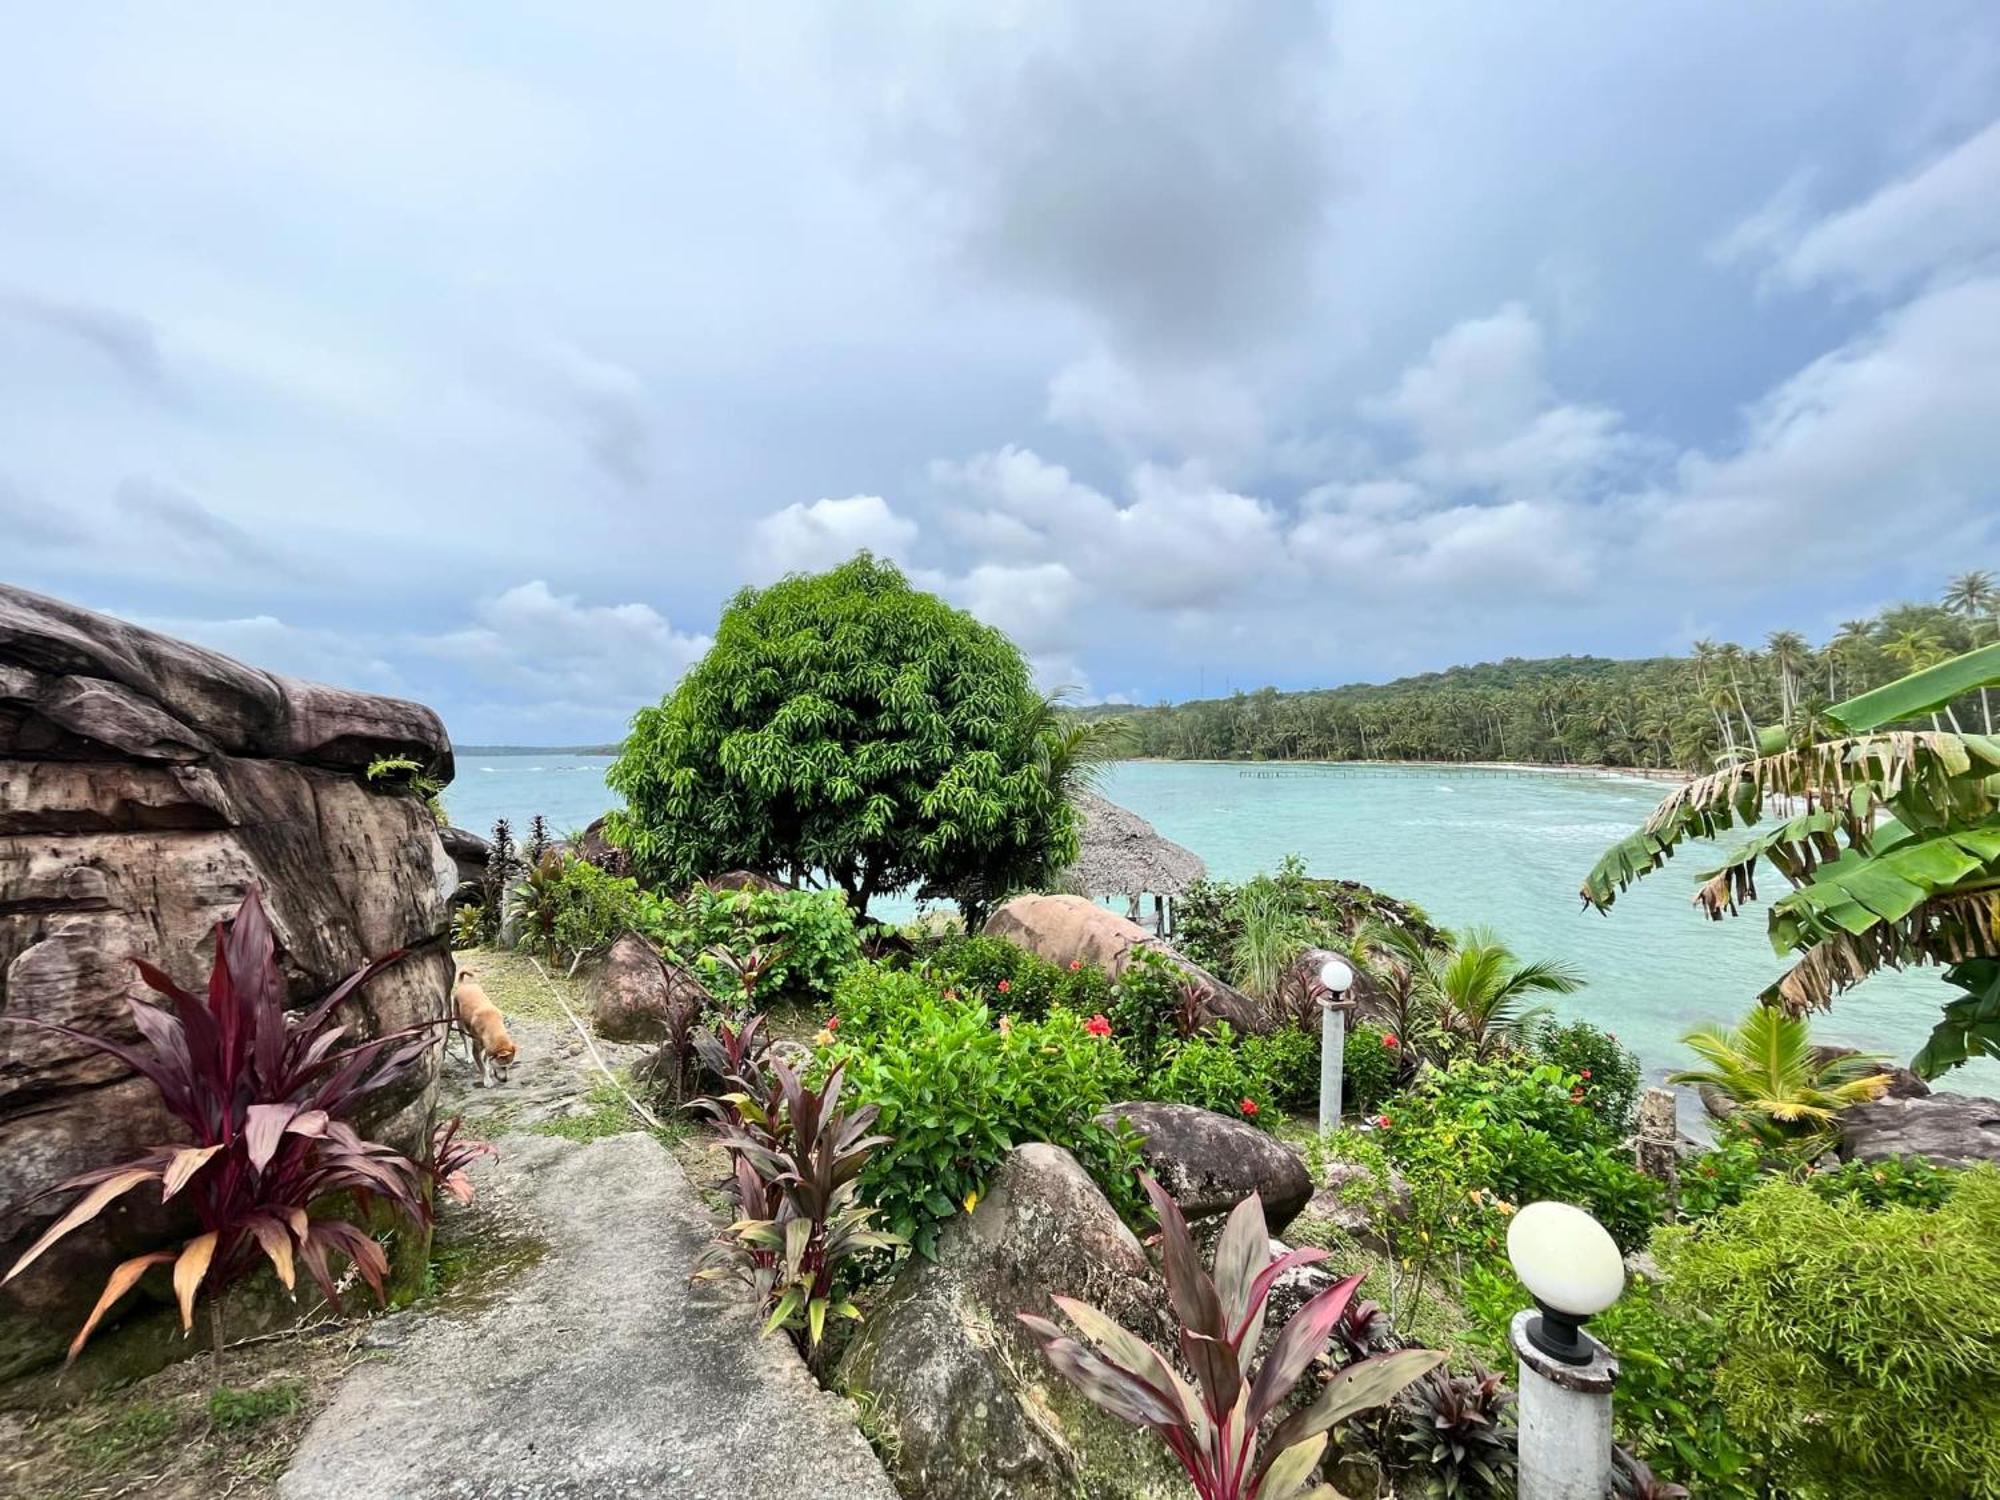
(1476, 994)
(1783, 1091)
(1975, 596)
(1916, 648)
(1789, 653)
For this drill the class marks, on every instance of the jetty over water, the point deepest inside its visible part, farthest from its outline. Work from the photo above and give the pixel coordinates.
(1347, 770)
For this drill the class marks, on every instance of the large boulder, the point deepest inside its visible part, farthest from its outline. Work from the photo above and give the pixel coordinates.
(1209, 1163)
(594, 846)
(1951, 1130)
(145, 785)
(468, 851)
(970, 1408)
(634, 992)
(1065, 928)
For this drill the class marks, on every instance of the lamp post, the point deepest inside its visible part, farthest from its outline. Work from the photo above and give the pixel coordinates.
(1573, 1270)
(1336, 977)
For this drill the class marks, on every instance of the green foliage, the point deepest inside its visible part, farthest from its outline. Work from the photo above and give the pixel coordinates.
(398, 773)
(1286, 1060)
(229, 1410)
(569, 907)
(1784, 1093)
(1608, 1072)
(978, 966)
(808, 937)
(1896, 1182)
(958, 1092)
(1217, 1070)
(1862, 1345)
(1971, 1023)
(1214, 920)
(849, 724)
(1370, 1067)
(1667, 1409)
(1455, 1435)
(1722, 1177)
(1149, 1008)
(1519, 1133)
(468, 926)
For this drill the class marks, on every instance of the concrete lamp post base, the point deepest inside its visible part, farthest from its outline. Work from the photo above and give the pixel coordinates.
(1565, 1419)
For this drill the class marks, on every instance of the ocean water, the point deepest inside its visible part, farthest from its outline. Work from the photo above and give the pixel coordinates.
(1504, 851)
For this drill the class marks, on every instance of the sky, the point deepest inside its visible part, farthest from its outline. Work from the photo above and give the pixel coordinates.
(479, 353)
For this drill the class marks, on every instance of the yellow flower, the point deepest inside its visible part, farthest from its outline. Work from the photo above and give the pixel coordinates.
(1504, 1206)
(823, 1039)
(972, 1200)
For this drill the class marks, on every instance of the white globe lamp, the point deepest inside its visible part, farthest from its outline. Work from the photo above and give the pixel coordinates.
(1571, 1267)
(1336, 978)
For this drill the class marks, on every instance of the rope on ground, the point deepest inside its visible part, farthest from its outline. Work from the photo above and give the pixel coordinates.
(597, 1057)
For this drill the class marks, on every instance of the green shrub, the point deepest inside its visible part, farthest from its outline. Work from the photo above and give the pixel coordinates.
(979, 966)
(1862, 1345)
(1146, 1008)
(1522, 1133)
(1722, 1177)
(1897, 1182)
(1369, 1068)
(569, 907)
(1287, 1060)
(1215, 1070)
(1607, 1071)
(959, 1088)
(810, 933)
(1667, 1410)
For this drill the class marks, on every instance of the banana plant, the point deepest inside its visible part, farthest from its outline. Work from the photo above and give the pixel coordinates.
(1212, 1425)
(1889, 839)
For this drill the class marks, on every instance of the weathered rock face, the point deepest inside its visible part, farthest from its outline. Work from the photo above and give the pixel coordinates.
(145, 784)
(1951, 1130)
(634, 989)
(1209, 1163)
(742, 880)
(977, 1413)
(1062, 928)
(594, 846)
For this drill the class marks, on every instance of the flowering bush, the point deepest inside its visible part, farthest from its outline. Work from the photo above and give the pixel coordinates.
(1215, 1070)
(1147, 1008)
(984, 968)
(958, 1092)
(1607, 1073)
(1370, 1067)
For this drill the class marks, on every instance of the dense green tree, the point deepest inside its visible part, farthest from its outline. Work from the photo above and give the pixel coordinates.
(848, 728)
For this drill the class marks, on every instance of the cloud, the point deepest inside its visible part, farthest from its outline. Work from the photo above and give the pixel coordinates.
(1945, 213)
(1182, 410)
(804, 538)
(31, 525)
(1165, 171)
(189, 530)
(610, 401)
(340, 657)
(129, 343)
(602, 658)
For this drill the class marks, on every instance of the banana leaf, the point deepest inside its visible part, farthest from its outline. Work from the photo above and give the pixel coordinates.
(1921, 693)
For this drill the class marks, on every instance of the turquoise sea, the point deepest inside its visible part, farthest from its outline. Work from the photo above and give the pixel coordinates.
(1469, 847)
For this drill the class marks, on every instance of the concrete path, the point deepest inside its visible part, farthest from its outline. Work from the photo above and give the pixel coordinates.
(597, 1372)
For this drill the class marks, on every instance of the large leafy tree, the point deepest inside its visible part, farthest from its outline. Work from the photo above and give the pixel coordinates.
(1889, 838)
(846, 727)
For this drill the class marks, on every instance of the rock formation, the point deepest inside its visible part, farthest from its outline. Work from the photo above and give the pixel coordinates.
(634, 990)
(1062, 928)
(1948, 1130)
(145, 783)
(1209, 1163)
(971, 1409)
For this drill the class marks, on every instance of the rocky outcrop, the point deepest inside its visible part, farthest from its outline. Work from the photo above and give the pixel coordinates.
(594, 846)
(970, 1408)
(1949, 1130)
(742, 880)
(469, 852)
(145, 784)
(634, 991)
(1209, 1163)
(1063, 928)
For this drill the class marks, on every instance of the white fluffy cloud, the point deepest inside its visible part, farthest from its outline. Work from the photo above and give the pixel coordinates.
(801, 538)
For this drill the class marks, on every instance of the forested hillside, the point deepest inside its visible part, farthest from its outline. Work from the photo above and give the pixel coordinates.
(1664, 711)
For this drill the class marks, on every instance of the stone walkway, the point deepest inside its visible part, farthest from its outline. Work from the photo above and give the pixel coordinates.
(597, 1372)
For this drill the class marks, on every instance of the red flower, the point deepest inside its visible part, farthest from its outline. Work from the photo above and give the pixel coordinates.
(1097, 1026)
(1390, 1040)
(1381, 1122)
(1075, 964)
(833, 1023)
(1585, 1074)
(1248, 1106)
(1006, 985)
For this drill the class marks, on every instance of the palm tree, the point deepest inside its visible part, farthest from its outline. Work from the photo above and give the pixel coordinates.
(1476, 992)
(1789, 653)
(1783, 1091)
(1850, 645)
(1975, 596)
(1918, 647)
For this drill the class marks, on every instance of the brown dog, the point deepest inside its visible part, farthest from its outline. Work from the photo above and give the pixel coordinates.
(492, 1049)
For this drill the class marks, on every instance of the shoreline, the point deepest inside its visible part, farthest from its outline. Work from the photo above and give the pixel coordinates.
(1547, 768)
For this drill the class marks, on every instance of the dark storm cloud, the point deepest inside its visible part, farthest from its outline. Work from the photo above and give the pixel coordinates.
(1166, 169)
(177, 520)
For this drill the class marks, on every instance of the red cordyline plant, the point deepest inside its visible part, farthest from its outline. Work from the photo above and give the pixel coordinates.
(794, 1158)
(1211, 1425)
(265, 1100)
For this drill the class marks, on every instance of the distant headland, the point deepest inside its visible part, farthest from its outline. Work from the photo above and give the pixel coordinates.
(490, 750)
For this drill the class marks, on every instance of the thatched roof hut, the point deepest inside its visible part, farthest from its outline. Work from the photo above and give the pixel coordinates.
(1123, 856)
